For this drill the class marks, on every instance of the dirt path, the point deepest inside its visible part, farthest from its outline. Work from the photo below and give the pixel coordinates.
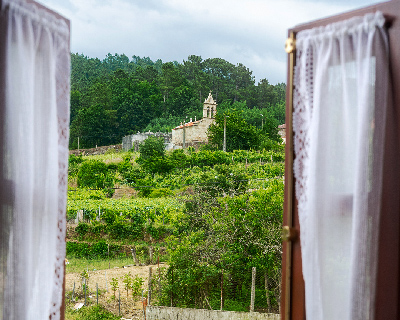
(130, 308)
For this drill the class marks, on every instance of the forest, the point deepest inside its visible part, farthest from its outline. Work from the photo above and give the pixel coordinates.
(117, 96)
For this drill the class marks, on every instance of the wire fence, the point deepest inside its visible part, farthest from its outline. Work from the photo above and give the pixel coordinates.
(255, 289)
(245, 290)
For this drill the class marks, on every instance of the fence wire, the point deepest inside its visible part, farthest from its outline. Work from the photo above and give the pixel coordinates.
(228, 291)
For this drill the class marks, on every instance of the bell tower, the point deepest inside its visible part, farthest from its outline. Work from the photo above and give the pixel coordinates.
(209, 107)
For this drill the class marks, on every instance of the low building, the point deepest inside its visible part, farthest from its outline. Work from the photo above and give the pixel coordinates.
(134, 140)
(194, 133)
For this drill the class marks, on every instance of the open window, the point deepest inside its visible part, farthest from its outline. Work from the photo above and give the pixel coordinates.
(341, 213)
(34, 120)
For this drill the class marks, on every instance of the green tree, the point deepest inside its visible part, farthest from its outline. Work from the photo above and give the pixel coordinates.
(152, 147)
(95, 174)
(152, 156)
(239, 134)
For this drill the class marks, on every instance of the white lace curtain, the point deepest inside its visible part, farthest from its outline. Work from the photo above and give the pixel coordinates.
(35, 158)
(339, 118)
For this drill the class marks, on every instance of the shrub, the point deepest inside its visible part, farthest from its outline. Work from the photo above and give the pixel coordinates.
(95, 174)
(82, 229)
(99, 250)
(123, 230)
(152, 147)
(73, 164)
(160, 193)
(94, 313)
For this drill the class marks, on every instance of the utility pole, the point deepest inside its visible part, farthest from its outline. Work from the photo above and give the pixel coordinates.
(262, 121)
(184, 134)
(184, 137)
(224, 145)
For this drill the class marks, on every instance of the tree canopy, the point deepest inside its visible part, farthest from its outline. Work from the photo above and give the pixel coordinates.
(241, 135)
(118, 95)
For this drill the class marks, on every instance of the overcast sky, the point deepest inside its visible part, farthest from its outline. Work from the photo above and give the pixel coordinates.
(251, 32)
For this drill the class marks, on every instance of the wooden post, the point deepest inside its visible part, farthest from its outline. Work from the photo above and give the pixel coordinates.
(253, 288)
(105, 275)
(222, 289)
(85, 291)
(119, 302)
(73, 291)
(97, 293)
(149, 290)
(108, 249)
(144, 303)
(267, 291)
(172, 291)
(133, 250)
(159, 280)
(151, 255)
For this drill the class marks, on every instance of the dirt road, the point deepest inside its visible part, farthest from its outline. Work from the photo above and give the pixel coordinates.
(130, 308)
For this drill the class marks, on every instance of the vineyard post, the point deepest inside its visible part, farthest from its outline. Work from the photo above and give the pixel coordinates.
(133, 250)
(151, 254)
(85, 291)
(222, 289)
(149, 290)
(97, 293)
(73, 291)
(253, 288)
(172, 291)
(266, 291)
(119, 302)
(108, 249)
(159, 279)
(105, 275)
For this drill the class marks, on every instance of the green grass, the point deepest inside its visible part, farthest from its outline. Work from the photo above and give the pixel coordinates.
(89, 313)
(79, 264)
(113, 157)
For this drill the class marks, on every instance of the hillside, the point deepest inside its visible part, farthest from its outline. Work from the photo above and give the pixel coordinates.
(208, 213)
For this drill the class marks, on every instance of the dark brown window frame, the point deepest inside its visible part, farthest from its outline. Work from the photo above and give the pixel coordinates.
(388, 286)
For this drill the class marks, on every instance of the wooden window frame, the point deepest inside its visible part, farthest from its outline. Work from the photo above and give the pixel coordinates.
(387, 286)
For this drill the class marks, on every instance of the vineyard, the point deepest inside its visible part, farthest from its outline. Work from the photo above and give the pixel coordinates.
(209, 215)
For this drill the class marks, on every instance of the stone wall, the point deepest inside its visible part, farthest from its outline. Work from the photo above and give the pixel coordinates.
(134, 140)
(195, 132)
(95, 151)
(167, 313)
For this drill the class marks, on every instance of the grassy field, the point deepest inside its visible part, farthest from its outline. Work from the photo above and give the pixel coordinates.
(79, 264)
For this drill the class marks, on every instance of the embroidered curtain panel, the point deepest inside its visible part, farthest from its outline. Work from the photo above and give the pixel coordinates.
(35, 159)
(340, 97)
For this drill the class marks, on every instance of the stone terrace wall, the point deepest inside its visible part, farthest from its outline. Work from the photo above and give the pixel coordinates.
(96, 151)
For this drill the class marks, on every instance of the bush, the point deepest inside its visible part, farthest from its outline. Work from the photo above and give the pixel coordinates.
(97, 312)
(124, 230)
(73, 164)
(97, 250)
(178, 159)
(95, 174)
(82, 229)
(152, 147)
(160, 193)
